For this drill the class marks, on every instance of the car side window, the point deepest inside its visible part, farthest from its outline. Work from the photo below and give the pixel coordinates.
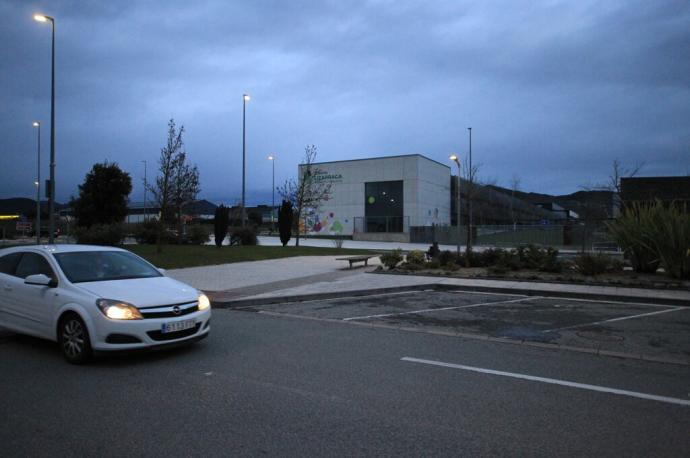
(32, 264)
(8, 263)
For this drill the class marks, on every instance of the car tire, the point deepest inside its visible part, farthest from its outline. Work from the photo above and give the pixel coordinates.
(73, 337)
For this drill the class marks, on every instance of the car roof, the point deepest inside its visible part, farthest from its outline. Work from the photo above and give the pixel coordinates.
(59, 248)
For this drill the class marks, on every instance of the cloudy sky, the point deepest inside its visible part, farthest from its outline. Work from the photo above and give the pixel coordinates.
(554, 90)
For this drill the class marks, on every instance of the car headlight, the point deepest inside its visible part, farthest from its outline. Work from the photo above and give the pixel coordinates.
(118, 310)
(204, 302)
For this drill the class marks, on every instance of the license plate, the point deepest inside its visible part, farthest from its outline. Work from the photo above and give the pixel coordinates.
(175, 326)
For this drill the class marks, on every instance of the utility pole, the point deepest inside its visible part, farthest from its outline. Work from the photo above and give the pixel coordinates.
(145, 187)
(470, 196)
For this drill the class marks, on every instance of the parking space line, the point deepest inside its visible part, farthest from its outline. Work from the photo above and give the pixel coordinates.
(552, 381)
(601, 301)
(384, 315)
(611, 320)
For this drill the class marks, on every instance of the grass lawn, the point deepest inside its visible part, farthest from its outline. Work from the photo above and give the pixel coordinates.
(178, 256)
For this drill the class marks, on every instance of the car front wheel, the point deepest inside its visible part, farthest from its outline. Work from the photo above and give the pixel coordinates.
(74, 340)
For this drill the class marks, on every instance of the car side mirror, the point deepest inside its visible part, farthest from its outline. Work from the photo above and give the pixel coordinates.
(40, 280)
(161, 270)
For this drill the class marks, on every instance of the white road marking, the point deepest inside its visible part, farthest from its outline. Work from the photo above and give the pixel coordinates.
(601, 301)
(552, 381)
(460, 291)
(384, 315)
(659, 312)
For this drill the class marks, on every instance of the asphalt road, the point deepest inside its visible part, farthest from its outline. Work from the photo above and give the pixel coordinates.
(284, 386)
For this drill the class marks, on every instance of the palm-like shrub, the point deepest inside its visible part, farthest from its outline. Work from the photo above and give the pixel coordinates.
(669, 232)
(633, 232)
(653, 234)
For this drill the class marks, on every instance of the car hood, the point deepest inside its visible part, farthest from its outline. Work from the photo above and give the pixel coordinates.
(142, 292)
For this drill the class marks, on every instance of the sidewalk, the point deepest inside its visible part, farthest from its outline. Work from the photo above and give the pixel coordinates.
(312, 277)
(365, 245)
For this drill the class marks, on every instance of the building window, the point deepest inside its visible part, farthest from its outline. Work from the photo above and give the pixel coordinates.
(383, 206)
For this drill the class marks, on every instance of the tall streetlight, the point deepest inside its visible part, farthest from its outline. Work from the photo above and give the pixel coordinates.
(37, 125)
(51, 184)
(272, 158)
(454, 158)
(145, 186)
(245, 99)
(468, 249)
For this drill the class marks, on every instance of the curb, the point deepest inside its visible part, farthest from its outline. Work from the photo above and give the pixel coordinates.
(486, 338)
(238, 303)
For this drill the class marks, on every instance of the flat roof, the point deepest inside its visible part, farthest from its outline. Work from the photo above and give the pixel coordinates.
(382, 157)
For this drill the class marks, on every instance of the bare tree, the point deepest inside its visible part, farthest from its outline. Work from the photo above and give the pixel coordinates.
(613, 183)
(617, 172)
(177, 183)
(185, 187)
(307, 193)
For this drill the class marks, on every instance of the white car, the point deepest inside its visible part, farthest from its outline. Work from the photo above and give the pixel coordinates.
(96, 299)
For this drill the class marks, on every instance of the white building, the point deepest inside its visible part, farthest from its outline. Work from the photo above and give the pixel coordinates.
(380, 198)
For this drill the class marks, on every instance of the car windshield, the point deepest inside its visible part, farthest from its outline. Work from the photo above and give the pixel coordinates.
(85, 266)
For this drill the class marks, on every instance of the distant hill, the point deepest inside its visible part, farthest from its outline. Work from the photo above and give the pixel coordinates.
(24, 206)
(596, 203)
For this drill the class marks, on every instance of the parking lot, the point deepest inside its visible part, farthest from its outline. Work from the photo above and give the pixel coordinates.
(634, 330)
(339, 378)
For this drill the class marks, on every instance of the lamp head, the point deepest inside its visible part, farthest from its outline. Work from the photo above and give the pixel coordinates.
(270, 157)
(36, 124)
(246, 97)
(453, 157)
(42, 18)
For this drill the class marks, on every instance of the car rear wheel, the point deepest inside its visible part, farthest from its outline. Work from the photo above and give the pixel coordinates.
(74, 340)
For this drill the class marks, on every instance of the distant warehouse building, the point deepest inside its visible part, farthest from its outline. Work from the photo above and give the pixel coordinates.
(668, 190)
(381, 197)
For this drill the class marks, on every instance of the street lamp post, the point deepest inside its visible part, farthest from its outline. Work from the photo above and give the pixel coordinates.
(51, 184)
(272, 158)
(37, 125)
(145, 186)
(245, 99)
(468, 249)
(454, 158)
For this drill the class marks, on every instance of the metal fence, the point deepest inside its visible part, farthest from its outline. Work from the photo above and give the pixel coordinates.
(592, 235)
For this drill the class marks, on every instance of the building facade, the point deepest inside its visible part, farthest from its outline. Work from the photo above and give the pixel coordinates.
(383, 195)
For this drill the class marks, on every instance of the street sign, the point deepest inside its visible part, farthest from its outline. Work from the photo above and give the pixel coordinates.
(24, 226)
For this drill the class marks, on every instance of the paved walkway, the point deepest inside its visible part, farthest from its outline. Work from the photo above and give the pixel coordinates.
(318, 275)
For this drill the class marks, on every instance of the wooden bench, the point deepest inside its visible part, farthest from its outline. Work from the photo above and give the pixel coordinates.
(363, 258)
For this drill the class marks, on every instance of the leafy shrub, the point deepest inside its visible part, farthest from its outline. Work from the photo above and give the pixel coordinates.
(100, 234)
(499, 268)
(416, 257)
(549, 261)
(147, 232)
(245, 236)
(198, 234)
(221, 221)
(447, 258)
(487, 257)
(433, 264)
(338, 242)
(592, 263)
(392, 258)
(285, 216)
(530, 256)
